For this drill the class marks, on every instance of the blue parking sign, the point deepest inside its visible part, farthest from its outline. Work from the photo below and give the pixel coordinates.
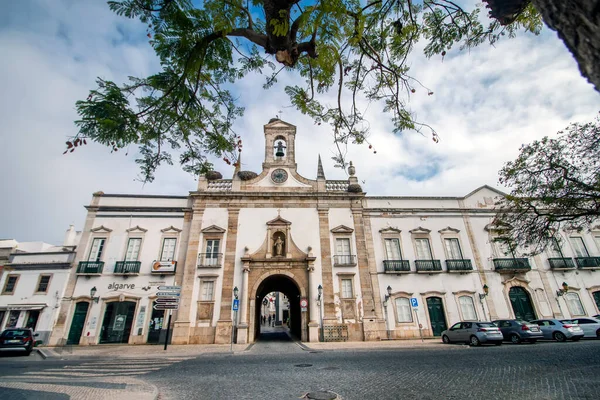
(414, 302)
(236, 304)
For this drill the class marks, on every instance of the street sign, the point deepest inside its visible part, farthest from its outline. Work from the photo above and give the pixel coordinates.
(236, 304)
(166, 307)
(414, 302)
(304, 303)
(177, 288)
(167, 294)
(166, 300)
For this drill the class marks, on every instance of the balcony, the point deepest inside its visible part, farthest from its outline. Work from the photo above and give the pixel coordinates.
(588, 262)
(210, 260)
(90, 267)
(459, 266)
(344, 261)
(559, 264)
(511, 265)
(127, 267)
(428, 266)
(396, 266)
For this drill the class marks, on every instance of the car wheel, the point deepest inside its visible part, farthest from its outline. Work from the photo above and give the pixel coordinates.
(559, 336)
(515, 339)
(446, 339)
(474, 341)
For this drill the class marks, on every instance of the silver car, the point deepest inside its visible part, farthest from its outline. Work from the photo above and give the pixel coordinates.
(559, 330)
(473, 332)
(518, 331)
(590, 326)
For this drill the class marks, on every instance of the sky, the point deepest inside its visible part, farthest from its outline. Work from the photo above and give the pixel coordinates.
(487, 102)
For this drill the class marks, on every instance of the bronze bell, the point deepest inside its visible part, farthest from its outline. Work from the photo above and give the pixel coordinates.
(279, 152)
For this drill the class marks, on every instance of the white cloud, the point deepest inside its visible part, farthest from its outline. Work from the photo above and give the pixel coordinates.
(486, 103)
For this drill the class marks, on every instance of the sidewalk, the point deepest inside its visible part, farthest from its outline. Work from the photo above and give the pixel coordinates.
(374, 345)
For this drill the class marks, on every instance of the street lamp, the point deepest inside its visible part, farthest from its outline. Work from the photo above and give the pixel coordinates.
(93, 293)
(319, 301)
(565, 289)
(483, 295)
(385, 313)
(235, 292)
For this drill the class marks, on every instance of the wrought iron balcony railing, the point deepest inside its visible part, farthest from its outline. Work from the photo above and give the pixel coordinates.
(210, 260)
(459, 265)
(512, 265)
(396, 266)
(561, 263)
(90, 267)
(428, 266)
(127, 267)
(588, 262)
(344, 260)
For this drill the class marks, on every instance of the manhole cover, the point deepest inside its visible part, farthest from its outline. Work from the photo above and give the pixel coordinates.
(322, 395)
(330, 368)
(303, 365)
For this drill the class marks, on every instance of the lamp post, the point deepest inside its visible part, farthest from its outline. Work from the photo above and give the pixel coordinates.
(234, 323)
(565, 289)
(93, 293)
(482, 296)
(385, 312)
(319, 301)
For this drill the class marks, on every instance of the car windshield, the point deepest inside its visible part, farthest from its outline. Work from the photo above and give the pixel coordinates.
(566, 321)
(15, 333)
(485, 325)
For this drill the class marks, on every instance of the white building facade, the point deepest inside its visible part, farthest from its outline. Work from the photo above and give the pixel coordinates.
(348, 264)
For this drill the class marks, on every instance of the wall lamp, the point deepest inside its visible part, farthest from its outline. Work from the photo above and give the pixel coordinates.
(320, 289)
(388, 294)
(235, 292)
(565, 289)
(93, 293)
(486, 291)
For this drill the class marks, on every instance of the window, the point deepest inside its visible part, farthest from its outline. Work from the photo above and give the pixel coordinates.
(13, 317)
(597, 240)
(453, 249)
(574, 304)
(11, 282)
(423, 249)
(467, 325)
(133, 249)
(212, 251)
(392, 249)
(579, 247)
(43, 283)
(343, 251)
(96, 250)
(403, 310)
(554, 249)
(168, 249)
(468, 308)
(347, 292)
(455, 326)
(208, 289)
(503, 248)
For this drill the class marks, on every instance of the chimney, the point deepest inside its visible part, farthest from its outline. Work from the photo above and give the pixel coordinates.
(70, 237)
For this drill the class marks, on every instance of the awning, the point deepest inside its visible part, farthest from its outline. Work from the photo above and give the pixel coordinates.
(23, 307)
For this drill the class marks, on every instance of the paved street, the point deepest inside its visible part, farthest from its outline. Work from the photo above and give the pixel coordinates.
(281, 369)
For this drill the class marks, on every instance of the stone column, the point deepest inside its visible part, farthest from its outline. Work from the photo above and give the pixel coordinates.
(181, 329)
(326, 268)
(243, 326)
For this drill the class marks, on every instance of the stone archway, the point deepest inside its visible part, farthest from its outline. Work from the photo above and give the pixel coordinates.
(293, 287)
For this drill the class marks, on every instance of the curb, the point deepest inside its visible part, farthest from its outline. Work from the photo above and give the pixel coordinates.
(42, 354)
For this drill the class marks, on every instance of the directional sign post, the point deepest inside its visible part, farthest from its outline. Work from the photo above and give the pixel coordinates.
(166, 307)
(167, 300)
(414, 302)
(236, 305)
(168, 294)
(415, 306)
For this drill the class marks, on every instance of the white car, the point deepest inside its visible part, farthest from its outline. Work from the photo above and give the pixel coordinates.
(589, 325)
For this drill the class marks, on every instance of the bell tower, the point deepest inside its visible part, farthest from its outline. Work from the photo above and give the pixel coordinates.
(280, 146)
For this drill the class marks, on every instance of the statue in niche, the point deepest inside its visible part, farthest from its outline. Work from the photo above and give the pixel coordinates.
(278, 246)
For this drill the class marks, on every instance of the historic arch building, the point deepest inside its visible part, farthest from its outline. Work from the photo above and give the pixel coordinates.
(279, 231)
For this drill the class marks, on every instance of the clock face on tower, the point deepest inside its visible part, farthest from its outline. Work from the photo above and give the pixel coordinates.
(279, 175)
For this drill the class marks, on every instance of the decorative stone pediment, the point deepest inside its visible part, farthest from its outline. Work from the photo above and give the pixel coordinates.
(516, 281)
(213, 229)
(101, 228)
(389, 229)
(136, 228)
(448, 230)
(171, 229)
(278, 222)
(342, 229)
(420, 230)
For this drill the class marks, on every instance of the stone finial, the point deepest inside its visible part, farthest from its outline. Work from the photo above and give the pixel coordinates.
(320, 173)
(351, 169)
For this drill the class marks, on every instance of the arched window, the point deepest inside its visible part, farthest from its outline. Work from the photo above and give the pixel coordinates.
(467, 308)
(403, 311)
(574, 304)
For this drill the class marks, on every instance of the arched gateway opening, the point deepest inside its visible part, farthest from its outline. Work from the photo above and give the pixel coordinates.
(286, 285)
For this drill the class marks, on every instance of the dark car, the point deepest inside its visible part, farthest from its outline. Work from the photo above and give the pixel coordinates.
(17, 339)
(517, 331)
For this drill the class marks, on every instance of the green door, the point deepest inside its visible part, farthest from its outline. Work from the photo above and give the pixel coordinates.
(521, 304)
(79, 316)
(437, 316)
(596, 299)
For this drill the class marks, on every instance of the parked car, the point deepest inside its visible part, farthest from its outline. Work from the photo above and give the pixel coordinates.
(597, 316)
(17, 339)
(473, 332)
(559, 330)
(590, 326)
(518, 331)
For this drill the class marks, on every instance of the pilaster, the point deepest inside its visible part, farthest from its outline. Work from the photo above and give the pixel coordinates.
(326, 268)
